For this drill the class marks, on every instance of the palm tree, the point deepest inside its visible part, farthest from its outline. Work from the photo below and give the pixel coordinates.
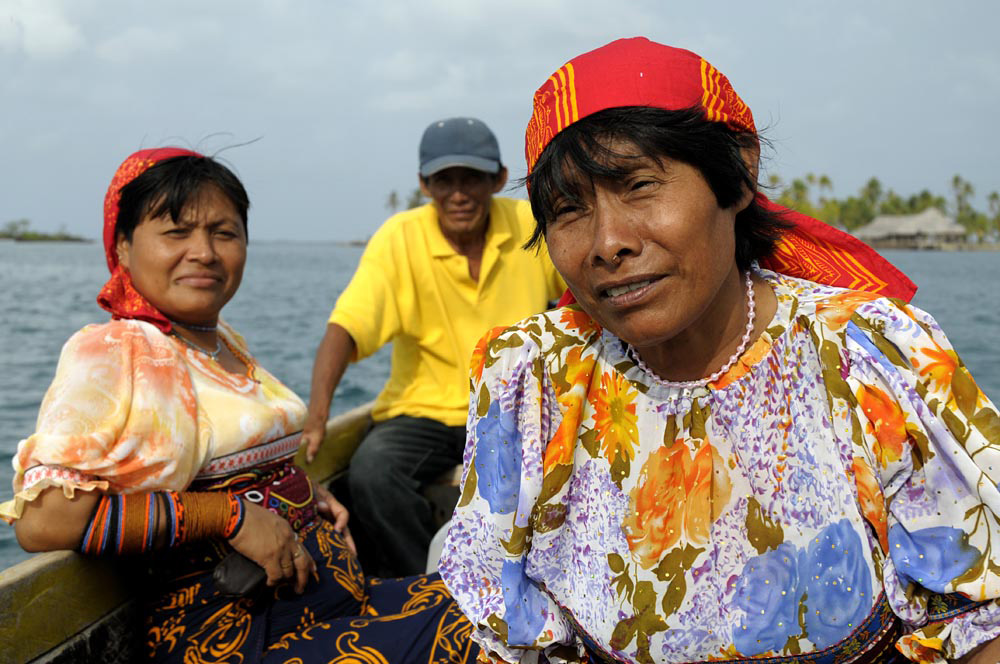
(392, 201)
(416, 199)
(993, 200)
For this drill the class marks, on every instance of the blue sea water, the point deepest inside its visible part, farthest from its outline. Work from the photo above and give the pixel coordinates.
(47, 292)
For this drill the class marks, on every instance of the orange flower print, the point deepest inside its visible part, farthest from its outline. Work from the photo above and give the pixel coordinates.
(578, 371)
(478, 361)
(940, 368)
(838, 309)
(871, 499)
(886, 421)
(677, 496)
(614, 417)
(919, 648)
(757, 352)
(560, 449)
(575, 319)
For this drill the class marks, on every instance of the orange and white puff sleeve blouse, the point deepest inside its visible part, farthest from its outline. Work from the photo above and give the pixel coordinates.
(132, 409)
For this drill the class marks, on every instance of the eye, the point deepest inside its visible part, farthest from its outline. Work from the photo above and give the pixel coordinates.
(565, 210)
(641, 183)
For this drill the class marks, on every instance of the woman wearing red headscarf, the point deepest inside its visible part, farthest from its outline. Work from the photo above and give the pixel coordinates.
(741, 443)
(161, 436)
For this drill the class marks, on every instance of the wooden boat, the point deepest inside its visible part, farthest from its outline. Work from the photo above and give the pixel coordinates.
(61, 607)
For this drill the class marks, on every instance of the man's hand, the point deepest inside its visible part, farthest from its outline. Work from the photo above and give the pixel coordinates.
(333, 511)
(312, 437)
(332, 357)
(269, 541)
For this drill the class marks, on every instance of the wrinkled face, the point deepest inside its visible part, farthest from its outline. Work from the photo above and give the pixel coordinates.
(188, 269)
(647, 255)
(462, 197)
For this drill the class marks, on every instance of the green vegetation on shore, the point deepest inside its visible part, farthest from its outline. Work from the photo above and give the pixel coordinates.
(20, 231)
(393, 202)
(873, 200)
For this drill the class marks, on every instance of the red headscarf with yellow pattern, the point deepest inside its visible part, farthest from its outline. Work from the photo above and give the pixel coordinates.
(119, 296)
(639, 72)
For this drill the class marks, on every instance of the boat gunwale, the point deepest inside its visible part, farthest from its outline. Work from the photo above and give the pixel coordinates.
(60, 596)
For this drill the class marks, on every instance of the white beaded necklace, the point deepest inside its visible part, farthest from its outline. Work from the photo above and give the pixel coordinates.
(702, 382)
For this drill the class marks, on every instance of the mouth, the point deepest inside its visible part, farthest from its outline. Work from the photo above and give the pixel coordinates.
(628, 293)
(200, 280)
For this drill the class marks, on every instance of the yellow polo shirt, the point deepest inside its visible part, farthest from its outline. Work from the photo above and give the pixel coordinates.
(413, 289)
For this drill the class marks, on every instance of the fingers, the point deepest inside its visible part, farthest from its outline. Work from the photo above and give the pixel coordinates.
(276, 570)
(312, 440)
(295, 566)
(268, 540)
(286, 567)
(287, 546)
(335, 512)
(305, 567)
(350, 541)
(332, 508)
(340, 515)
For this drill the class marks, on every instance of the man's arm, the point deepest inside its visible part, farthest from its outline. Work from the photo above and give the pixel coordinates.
(332, 358)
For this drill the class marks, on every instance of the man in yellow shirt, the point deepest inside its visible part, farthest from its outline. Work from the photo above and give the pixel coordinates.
(431, 281)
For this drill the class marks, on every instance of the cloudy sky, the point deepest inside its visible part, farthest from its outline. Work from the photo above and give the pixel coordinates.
(335, 94)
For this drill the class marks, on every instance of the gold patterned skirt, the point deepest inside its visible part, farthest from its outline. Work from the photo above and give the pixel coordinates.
(341, 617)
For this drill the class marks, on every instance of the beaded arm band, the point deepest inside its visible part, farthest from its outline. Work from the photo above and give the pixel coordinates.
(129, 523)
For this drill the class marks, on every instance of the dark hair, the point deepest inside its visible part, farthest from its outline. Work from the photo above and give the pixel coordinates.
(580, 154)
(168, 185)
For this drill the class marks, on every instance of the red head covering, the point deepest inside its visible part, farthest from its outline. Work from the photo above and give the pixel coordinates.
(638, 72)
(119, 296)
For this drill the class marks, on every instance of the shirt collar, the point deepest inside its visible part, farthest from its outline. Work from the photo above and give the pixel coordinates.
(498, 231)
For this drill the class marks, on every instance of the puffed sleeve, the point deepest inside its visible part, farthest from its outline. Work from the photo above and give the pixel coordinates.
(119, 416)
(485, 562)
(929, 444)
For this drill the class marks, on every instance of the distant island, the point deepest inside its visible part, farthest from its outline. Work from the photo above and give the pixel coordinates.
(19, 230)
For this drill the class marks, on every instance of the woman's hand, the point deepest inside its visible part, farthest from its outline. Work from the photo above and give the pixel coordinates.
(333, 511)
(269, 541)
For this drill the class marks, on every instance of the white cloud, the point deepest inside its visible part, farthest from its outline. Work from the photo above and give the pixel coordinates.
(436, 84)
(136, 43)
(39, 28)
(842, 87)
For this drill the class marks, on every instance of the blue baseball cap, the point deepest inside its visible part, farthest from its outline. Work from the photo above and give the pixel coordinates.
(454, 142)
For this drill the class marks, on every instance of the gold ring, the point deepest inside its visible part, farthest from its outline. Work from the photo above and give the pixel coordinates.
(289, 565)
(298, 552)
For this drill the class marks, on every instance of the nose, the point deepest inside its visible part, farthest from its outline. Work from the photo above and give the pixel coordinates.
(201, 248)
(615, 235)
(458, 195)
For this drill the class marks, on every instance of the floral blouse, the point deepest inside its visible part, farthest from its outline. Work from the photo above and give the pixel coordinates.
(843, 472)
(132, 409)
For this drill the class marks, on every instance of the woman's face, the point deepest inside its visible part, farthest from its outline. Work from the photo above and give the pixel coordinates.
(649, 256)
(188, 269)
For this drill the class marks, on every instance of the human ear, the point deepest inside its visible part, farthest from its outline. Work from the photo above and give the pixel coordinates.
(751, 159)
(123, 248)
(423, 187)
(500, 180)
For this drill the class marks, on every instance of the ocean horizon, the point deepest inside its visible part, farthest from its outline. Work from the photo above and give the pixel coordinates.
(288, 289)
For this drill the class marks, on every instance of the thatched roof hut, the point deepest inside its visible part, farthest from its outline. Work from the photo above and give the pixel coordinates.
(929, 229)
